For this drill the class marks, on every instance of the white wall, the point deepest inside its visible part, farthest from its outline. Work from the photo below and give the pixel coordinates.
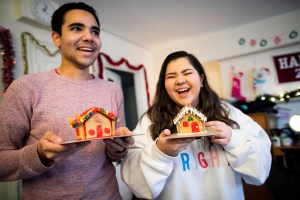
(223, 47)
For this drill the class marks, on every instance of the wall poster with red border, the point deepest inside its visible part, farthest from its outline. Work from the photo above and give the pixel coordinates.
(288, 67)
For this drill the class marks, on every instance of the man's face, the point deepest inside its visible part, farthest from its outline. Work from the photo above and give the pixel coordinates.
(79, 42)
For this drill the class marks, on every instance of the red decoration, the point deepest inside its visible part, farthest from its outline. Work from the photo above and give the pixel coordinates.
(252, 42)
(8, 54)
(107, 130)
(288, 67)
(120, 62)
(185, 124)
(277, 40)
(236, 85)
(91, 132)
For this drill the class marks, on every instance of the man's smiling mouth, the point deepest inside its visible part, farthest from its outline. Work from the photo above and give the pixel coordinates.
(86, 49)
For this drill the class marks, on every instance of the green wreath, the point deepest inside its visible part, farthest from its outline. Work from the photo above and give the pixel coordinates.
(242, 41)
(263, 43)
(293, 34)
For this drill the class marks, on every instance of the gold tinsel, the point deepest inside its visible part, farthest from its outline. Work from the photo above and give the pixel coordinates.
(37, 43)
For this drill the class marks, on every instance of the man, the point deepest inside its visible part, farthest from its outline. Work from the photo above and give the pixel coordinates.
(34, 119)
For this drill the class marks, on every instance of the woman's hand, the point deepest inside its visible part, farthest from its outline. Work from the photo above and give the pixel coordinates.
(172, 147)
(225, 132)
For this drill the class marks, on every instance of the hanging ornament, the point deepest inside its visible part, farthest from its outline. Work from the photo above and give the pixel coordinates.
(293, 34)
(277, 40)
(263, 43)
(242, 41)
(252, 42)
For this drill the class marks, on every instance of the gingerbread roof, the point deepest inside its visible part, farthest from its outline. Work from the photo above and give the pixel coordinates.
(189, 109)
(90, 112)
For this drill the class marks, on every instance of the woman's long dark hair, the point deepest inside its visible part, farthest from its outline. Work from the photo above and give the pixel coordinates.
(163, 109)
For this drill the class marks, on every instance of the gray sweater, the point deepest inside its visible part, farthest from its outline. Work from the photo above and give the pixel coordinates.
(35, 104)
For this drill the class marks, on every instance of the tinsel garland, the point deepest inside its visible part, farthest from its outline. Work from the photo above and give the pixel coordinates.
(121, 61)
(8, 57)
(37, 43)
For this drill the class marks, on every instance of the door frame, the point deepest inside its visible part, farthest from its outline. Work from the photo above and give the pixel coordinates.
(139, 84)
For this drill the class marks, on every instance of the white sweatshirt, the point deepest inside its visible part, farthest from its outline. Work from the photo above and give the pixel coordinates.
(199, 172)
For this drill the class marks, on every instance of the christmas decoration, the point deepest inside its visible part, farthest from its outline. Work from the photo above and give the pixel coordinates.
(263, 43)
(260, 80)
(293, 34)
(7, 55)
(118, 63)
(252, 42)
(287, 67)
(37, 43)
(276, 40)
(242, 41)
(295, 94)
(236, 85)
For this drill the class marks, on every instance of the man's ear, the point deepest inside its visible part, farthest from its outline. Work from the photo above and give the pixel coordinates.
(56, 39)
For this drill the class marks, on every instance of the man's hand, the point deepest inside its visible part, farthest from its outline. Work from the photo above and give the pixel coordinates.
(117, 148)
(50, 150)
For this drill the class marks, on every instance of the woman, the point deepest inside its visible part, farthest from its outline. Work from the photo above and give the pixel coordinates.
(190, 168)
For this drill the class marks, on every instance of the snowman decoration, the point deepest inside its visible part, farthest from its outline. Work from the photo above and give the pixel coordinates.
(260, 80)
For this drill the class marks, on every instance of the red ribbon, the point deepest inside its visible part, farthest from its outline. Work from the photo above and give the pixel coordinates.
(118, 63)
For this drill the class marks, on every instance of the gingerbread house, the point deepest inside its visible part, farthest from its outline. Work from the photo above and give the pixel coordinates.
(94, 123)
(190, 120)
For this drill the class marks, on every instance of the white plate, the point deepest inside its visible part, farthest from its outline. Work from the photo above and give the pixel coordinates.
(209, 132)
(104, 137)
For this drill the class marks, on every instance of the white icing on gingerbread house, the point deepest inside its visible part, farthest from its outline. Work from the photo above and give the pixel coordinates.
(190, 120)
(94, 123)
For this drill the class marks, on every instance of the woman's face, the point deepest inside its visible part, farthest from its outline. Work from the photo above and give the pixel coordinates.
(182, 82)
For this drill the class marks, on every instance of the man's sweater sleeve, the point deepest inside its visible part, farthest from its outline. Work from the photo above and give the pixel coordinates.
(17, 161)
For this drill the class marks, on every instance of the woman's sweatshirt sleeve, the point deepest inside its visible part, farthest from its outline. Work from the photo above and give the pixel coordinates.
(145, 168)
(249, 151)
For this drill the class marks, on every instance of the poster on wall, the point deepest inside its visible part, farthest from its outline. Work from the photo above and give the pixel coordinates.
(288, 67)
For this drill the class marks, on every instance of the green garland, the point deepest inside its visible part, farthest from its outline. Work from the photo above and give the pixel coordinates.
(283, 97)
(264, 42)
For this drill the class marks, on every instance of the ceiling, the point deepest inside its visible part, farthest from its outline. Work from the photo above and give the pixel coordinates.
(153, 23)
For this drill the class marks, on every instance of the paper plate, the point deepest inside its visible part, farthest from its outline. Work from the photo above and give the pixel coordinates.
(105, 137)
(209, 132)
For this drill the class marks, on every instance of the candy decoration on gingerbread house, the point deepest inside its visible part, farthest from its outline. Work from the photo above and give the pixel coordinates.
(190, 120)
(94, 123)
